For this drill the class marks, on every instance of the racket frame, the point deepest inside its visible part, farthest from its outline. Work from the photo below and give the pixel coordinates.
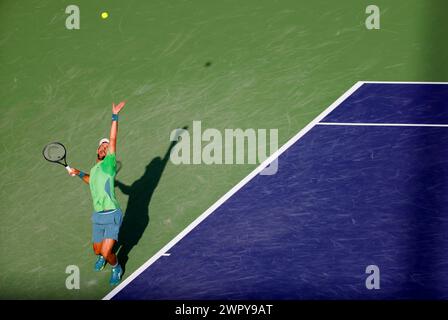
(64, 158)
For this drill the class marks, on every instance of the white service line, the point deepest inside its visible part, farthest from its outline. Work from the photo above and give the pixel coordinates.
(403, 82)
(380, 124)
(232, 191)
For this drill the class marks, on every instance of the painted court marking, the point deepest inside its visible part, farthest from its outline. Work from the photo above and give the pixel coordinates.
(164, 251)
(380, 124)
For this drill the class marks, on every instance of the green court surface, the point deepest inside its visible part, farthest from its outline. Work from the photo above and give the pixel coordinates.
(230, 64)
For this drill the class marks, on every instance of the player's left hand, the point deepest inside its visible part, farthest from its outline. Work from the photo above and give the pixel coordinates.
(116, 108)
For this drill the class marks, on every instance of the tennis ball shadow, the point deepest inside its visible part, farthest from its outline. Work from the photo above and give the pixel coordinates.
(208, 64)
(137, 216)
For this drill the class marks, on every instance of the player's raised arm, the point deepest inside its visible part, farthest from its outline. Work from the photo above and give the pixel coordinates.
(114, 127)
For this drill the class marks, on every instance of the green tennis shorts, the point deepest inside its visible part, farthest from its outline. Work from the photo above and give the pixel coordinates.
(106, 225)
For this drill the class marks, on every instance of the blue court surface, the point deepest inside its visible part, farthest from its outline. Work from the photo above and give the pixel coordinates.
(366, 183)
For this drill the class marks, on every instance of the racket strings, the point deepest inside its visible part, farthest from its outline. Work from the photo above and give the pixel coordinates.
(54, 152)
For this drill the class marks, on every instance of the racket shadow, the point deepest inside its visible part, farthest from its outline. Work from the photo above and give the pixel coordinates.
(136, 218)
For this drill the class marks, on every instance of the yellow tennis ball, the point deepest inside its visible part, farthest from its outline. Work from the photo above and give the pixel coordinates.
(104, 15)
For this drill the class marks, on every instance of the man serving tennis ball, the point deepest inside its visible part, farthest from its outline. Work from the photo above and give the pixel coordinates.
(107, 215)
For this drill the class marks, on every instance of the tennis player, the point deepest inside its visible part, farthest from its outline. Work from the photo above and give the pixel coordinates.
(107, 215)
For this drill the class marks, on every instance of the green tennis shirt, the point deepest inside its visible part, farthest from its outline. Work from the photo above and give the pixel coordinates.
(101, 182)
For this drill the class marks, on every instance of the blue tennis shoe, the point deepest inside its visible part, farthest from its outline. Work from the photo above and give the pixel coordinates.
(100, 263)
(115, 277)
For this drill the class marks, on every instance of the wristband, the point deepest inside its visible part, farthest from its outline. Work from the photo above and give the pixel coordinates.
(81, 174)
(114, 117)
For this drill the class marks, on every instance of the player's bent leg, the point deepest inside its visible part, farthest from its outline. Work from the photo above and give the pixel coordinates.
(117, 271)
(101, 261)
(106, 251)
(111, 236)
(97, 247)
(97, 238)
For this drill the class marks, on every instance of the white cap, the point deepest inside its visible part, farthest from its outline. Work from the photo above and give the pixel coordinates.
(102, 141)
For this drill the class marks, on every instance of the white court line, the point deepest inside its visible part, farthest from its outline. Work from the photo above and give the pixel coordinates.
(251, 175)
(232, 191)
(380, 124)
(403, 82)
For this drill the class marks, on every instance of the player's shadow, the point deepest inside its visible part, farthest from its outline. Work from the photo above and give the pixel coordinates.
(136, 218)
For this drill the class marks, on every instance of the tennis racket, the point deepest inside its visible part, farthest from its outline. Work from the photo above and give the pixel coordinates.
(55, 152)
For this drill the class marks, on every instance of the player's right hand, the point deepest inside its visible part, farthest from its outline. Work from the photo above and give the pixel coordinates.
(73, 172)
(116, 108)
